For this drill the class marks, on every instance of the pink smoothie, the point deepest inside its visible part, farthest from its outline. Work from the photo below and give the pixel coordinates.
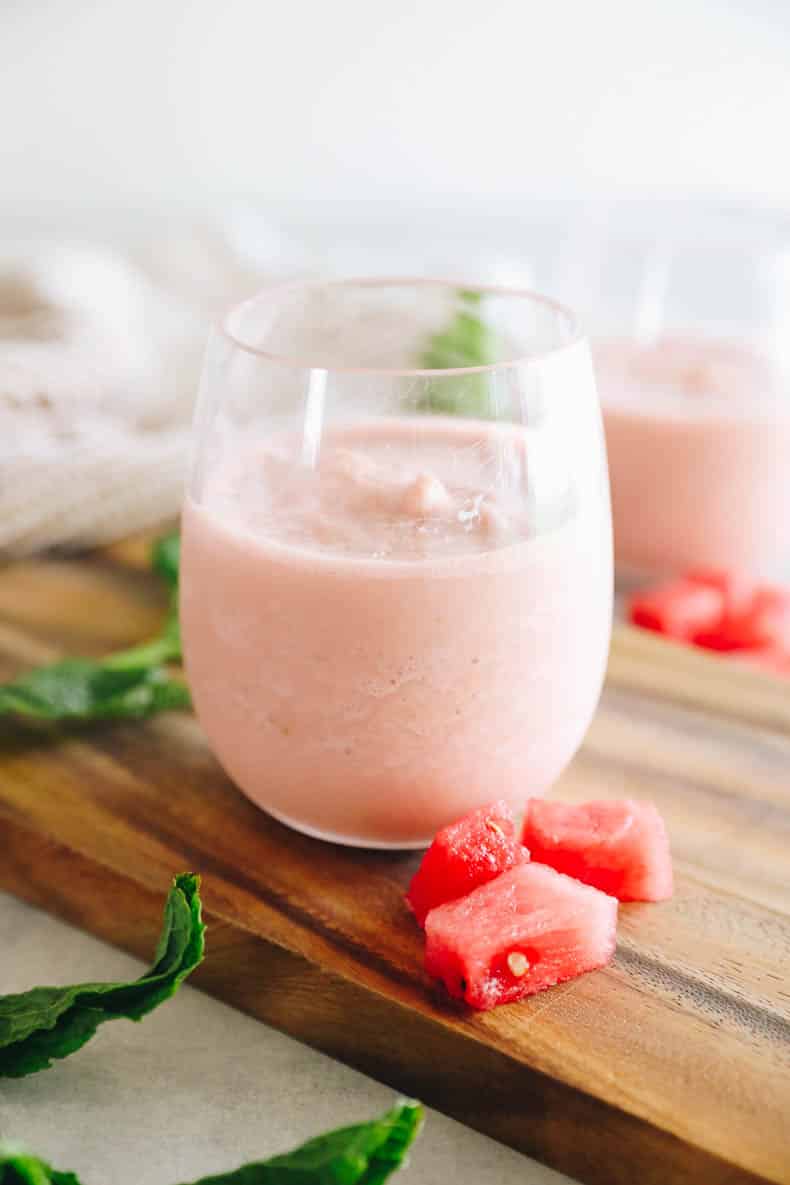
(381, 642)
(698, 437)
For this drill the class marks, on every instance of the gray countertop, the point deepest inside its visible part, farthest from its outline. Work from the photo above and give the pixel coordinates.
(197, 1087)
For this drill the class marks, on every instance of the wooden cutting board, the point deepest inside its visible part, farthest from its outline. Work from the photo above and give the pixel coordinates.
(672, 1065)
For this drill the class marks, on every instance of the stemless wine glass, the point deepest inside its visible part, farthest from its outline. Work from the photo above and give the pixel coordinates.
(397, 568)
(690, 340)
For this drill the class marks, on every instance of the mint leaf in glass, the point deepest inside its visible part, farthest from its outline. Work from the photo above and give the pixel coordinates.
(466, 341)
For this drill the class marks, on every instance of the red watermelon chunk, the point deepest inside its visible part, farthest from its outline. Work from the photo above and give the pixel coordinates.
(736, 590)
(680, 609)
(530, 928)
(619, 847)
(765, 621)
(465, 855)
(720, 610)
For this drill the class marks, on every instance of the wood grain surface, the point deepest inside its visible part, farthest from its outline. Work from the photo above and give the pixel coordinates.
(670, 1066)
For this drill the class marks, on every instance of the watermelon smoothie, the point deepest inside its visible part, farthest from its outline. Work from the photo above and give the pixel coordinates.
(698, 439)
(385, 638)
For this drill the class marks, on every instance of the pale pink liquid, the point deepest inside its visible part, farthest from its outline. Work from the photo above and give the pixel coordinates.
(382, 643)
(698, 439)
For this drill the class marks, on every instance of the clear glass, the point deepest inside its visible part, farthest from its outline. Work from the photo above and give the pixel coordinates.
(692, 353)
(396, 553)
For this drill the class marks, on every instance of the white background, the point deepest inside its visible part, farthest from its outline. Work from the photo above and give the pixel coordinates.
(454, 102)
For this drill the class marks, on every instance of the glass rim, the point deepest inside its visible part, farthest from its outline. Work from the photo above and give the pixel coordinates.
(575, 334)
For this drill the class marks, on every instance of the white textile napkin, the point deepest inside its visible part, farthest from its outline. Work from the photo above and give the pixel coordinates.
(100, 354)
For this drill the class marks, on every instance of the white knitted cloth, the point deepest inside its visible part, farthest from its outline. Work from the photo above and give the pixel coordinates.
(100, 356)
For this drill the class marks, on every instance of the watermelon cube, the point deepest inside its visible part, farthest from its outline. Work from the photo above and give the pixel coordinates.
(765, 621)
(619, 847)
(530, 928)
(737, 591)
(680, 609)
(464, 855)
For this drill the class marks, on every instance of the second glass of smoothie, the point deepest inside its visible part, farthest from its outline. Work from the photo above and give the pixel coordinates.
(397, 564)
(690, 317)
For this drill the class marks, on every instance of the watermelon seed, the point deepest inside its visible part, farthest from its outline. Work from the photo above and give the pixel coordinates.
(518, 964)
(492, 826)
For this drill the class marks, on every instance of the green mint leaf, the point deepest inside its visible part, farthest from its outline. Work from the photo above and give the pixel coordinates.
(78, 689)
(46, 1023)
(366, 1154)
(18, 1167)
(166, 562)
(466, 341)
(166, 558)
(130, 684)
